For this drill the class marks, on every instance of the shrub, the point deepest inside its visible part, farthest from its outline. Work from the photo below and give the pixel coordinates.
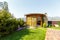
(44, 25)
(21, 22)
(58, 23)
(7, 23)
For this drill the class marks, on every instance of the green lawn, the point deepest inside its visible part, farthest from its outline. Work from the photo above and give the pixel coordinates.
(56, 28)
(27, 34)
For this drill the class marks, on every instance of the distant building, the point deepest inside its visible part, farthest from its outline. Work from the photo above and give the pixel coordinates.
(53, 20)
(4, 6)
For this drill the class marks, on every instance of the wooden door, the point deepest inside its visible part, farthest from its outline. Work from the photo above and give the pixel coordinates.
(34, 21)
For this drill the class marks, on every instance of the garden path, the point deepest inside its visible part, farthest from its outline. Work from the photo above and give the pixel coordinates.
(52, 34)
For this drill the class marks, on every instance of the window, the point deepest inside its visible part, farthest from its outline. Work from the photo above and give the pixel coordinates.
(39, 18)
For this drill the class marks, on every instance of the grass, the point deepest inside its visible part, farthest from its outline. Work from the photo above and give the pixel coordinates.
(27, 34)
(56, 28)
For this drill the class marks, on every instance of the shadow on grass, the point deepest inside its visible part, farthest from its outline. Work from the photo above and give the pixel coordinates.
(16, 35)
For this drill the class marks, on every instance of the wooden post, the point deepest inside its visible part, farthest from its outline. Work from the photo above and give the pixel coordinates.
(41, 21)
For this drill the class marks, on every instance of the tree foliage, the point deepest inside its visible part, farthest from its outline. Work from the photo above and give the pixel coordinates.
(21, 22)
(7, 22)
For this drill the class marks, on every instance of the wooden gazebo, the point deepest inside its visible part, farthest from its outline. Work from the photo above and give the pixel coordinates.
(36, 19)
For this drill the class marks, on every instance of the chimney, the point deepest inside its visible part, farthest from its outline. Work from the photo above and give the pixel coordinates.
(46, 14)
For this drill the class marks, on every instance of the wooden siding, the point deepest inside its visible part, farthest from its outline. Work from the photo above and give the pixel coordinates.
(31, 20)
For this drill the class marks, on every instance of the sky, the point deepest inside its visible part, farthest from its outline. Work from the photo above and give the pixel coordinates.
(19, 8)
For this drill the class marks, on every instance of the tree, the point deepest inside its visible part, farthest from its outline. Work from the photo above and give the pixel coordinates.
(7, 22)
(21, 22)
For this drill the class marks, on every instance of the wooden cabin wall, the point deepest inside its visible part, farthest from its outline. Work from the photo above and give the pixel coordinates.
(28, 20)
(31, 20)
